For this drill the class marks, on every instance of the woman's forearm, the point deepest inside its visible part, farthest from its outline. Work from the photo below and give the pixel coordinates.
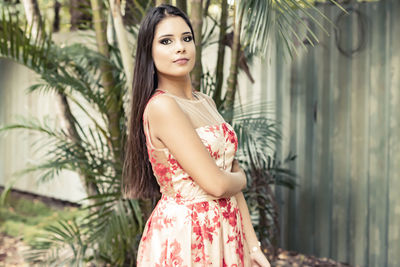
(233, 183)
(248, 229)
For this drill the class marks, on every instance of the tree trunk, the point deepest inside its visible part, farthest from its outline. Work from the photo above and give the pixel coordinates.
(87, 180)
(182, 5)
(126, 53)
(56, 21)
(34, 18)
(206, 8)
(221, 54)
(78, 15)
(232, 79)
(159, 2)
(196, 13)
(113, 101)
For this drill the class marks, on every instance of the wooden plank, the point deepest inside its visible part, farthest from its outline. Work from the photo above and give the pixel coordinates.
(378, 149)
(310, 164)
(322, 145)
(359, 155)
(340, 140)
(283, 118)
(333, 94)
(393, 78)
(304, 149)
(294, 145)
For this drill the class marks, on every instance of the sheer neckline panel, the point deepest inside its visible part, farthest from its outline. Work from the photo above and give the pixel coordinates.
(198, 95)
(201, 112)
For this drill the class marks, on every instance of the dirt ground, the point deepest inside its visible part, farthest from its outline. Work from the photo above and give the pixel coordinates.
(287, 258)
(11, 251)
(11, 256)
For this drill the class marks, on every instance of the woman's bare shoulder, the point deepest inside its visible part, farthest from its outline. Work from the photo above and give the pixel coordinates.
(162, 106)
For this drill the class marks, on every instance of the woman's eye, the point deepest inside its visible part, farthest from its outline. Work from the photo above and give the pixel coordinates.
(165, 41)
(188, 38)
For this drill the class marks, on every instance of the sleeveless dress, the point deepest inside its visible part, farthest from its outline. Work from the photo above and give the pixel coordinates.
(189, 227)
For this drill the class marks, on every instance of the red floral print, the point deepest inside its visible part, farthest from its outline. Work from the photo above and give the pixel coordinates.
(189, 227)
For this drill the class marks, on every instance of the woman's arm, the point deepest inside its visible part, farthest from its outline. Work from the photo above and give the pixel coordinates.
(248, 229)
(169, 124)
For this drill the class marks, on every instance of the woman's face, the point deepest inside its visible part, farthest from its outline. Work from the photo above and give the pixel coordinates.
(173, 40)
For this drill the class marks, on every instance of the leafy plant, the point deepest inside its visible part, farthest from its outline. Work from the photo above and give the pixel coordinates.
(73, 72)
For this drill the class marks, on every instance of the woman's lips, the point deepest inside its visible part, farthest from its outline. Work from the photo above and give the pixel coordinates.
(181, 61)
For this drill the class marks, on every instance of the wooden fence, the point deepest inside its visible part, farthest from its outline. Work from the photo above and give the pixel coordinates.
(339, 105)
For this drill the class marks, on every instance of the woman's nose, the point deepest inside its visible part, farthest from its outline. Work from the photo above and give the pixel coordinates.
(180, 46)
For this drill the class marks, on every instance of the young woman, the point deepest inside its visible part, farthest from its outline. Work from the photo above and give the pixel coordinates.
(181, 146)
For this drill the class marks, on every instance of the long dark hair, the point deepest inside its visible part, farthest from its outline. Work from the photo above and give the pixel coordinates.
(138, 180)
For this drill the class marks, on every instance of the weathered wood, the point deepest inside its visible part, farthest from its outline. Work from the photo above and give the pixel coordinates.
(347, 205)
(294, 133)
(392, 73)
(378, 149)
(340, 135)
(322, 145)
(283, 148)
(359, 155)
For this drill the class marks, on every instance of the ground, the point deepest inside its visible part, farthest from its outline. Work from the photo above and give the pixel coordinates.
(11, 256)
(19, 221)
(11, 251)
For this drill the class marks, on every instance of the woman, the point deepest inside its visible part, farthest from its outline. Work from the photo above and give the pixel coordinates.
(181, 146)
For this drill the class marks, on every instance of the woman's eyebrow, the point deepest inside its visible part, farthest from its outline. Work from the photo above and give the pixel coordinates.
(167, 35)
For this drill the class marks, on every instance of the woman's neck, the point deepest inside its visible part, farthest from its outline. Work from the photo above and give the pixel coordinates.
(179, 86)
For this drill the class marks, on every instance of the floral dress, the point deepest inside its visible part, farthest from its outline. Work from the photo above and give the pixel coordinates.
(188, 226)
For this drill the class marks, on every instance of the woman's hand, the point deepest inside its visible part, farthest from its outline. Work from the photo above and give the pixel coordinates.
(258, 259)
(235, 166)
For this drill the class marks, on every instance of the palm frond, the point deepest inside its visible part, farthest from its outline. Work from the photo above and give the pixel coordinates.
(280, 19)
(21, 46)
(63, 69)
(90, 156)
(61, 244)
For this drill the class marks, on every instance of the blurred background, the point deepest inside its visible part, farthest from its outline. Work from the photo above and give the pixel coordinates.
(311, 88)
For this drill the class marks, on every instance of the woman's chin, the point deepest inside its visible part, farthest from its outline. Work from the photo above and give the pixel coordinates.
(177, 73)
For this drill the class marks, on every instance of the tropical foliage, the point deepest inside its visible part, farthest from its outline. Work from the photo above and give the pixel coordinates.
(73, 71)
(96, 80)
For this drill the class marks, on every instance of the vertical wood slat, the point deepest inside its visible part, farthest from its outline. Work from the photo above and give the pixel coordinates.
(304, 192)
(359, 154)
(339, 139)
(386, 74)
(309, 140)
(282, 107)
(321, 145)
(332, 85)
(393, 77)
(293, 198)
(377, 139)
